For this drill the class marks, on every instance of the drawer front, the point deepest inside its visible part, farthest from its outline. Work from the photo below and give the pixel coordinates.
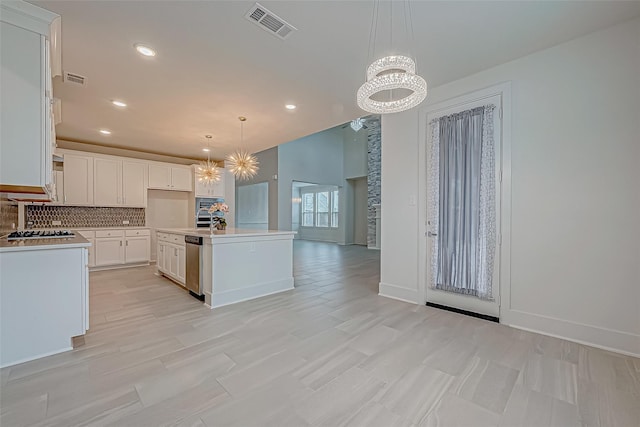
(87, 234)
(163, 237)
(177, 239)
(109, 233)
(133, 233)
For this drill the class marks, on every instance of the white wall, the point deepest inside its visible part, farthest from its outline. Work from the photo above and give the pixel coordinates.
(355, 152)
(166, 209)
(253, 200)
(575, 176)
(316, 158)
(268, 167)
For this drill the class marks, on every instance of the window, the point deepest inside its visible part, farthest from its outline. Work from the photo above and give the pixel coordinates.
(319, 206)
(307, 209)
(334, 208)
(322, 209)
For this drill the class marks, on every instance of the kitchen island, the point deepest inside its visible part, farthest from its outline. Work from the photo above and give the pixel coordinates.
(242, 264)
(44, 297)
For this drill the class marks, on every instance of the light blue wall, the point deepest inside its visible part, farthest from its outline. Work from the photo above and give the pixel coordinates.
(316, 158)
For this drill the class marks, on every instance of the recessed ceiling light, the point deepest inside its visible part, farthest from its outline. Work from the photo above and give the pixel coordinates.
(206, 150)
(105, 132)
(118, 103)
(290, 107)
(144, 50)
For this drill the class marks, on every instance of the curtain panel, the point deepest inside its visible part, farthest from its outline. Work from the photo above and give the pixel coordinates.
(462, 201)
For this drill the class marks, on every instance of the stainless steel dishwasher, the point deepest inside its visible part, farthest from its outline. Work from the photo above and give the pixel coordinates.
(194, 263)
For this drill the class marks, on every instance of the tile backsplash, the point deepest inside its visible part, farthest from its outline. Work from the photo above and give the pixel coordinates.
(81, 216)
(8, 216)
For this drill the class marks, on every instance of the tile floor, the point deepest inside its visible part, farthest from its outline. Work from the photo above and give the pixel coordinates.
(331, 352)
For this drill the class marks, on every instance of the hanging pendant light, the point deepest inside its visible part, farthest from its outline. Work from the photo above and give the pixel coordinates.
(208, 172)
(241, 163)
(391, 73)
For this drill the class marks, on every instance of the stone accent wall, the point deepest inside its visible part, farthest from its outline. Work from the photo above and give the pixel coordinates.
(374, 162)
(8, 216)
(81, 216)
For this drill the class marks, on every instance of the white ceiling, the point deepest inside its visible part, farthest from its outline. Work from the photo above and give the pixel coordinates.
(213, 65)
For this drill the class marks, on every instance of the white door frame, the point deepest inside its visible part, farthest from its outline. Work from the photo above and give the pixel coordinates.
(504, 163)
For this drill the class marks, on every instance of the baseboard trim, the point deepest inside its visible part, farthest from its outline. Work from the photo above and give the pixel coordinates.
(29, 359)
(119, 266)
(398, 293)
(464, 312)
(220, 299)
(603, 338)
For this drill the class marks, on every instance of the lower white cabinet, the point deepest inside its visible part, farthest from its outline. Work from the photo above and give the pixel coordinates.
(109, 251)
(136, 247)
(171, 254)
(117, 247)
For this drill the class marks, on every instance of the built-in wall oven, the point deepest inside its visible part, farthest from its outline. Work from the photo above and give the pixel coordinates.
(203, 217)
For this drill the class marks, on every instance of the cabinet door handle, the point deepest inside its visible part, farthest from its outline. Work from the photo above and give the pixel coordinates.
(120, 242)
(127, 243)
(175, 252)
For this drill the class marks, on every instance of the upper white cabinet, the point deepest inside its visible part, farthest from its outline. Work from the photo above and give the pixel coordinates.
(214, 190)
(27, 36)
(78, 180)
(119, 183)
(134, 183)
(107, 182)
(164, 176)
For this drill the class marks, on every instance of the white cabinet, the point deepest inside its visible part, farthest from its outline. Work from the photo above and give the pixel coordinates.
(172, 256)
(136, 246)
(134, 183)
(107, 182)
(78, 180)
(109, 251)
(118, 247)
(164, 176)
(214, 190)
(181, 178)
(26, 164)
(119, 183)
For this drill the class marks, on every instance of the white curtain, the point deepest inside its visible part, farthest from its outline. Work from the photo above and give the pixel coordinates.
(461, 197)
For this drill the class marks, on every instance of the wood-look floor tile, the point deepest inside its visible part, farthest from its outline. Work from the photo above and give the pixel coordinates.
(452, 410)
(260, 404)
(485, 383)
(334, 403)
(416, 393)
(554, 377)
(373, 414)
(25, 412)
(321, 371)
(242, 381)
(330, 352)
(528, 408)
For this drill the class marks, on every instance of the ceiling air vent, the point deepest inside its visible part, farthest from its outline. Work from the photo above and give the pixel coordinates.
(75, 79)
(269, 21)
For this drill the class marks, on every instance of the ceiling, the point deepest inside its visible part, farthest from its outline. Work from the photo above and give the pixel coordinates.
(213, 65)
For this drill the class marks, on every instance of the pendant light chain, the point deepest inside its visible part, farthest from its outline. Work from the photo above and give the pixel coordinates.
(390, 73)
(241, 163)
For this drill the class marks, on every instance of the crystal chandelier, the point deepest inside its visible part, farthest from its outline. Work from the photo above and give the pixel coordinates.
(391, 73)
(241, 163)
(208, 172)
(357, 124)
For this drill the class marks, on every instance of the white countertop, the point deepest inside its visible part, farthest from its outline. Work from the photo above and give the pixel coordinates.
(118, 227)
(229, 232)
(43, 244)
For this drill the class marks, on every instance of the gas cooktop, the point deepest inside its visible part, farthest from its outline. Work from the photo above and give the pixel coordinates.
(40, 234)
